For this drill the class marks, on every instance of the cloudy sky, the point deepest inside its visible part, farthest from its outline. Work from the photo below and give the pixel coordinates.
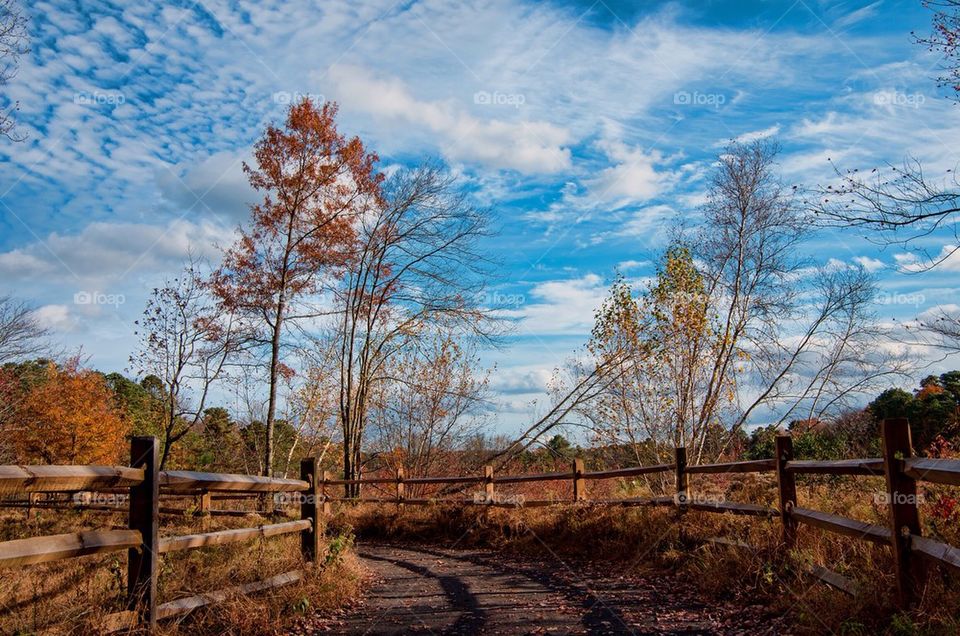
(587, 126)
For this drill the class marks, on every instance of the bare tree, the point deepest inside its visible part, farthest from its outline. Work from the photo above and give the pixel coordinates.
(944, 39)
(187, 341)
(416, 268)
(830, 361)
(896, 206)
(21, 336)
(937, 330)
(13, 44)
(432, 401)
(742, 322)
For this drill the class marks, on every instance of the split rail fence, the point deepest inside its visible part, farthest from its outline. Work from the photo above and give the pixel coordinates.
(898, 466)
(145, 483)
(901, 470)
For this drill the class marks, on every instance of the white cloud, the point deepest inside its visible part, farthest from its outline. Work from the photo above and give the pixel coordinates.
(948, 309)
(55, 317)
(947, 260)
(526, 146)
(755, 135)
(835, 264)
(216, 184)
(647, 222)
(857, 15)
(632, 177)
(561, 307)
(110, 252)
(869, 264)
(521, 380)
(626, 266)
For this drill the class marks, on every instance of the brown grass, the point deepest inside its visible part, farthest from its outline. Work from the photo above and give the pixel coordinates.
(74, 596)
(653, 538)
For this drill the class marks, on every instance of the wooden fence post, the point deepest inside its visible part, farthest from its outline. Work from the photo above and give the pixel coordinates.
(144, 513)
(326, 501)
(682, 479)
(902, 499)
(786, 488)
(579, 483)
(400, 487)
(310, 539)
(488, 491)
(204, 503)
(33, 499)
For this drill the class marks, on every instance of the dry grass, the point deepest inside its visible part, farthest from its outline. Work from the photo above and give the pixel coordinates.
(653, 538)
(74, 596)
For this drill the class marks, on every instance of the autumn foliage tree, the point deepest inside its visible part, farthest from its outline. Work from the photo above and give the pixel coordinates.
(663, 343)
(68, 416)
(740, 327)
(315, 183)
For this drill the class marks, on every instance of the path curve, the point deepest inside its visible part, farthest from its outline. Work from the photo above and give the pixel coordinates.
(432, 590)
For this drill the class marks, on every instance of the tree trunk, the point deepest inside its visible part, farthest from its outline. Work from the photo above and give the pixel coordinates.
(351, 454)
(348, 470)
(272, 403)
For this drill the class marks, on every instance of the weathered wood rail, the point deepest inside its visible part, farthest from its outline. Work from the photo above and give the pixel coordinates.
(145, 484)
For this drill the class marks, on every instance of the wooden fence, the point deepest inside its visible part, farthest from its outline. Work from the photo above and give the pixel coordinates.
(900, 469)
(145, 483)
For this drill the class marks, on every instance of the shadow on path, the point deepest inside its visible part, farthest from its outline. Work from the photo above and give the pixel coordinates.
(472, 618)
(436, 590)
(599, 617)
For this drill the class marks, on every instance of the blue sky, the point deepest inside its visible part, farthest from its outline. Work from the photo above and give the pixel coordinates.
(586, 126)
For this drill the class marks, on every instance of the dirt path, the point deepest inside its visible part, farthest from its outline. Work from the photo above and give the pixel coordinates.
(426, 590)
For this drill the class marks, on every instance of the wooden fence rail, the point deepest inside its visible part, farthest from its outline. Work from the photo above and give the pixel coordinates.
(141, 484)
(897, 467)
(145, 485)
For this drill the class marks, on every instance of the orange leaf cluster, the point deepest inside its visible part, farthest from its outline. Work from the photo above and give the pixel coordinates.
(315, 182)
(68, 418)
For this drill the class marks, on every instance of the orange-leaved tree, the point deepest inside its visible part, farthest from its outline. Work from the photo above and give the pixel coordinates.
(68, 416)
(315, 183)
